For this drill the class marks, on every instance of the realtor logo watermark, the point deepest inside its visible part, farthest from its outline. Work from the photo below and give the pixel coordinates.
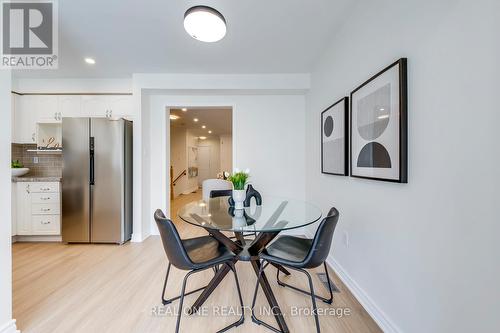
(29, 34)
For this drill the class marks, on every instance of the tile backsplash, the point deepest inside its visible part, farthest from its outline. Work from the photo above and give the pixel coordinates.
(49, 165)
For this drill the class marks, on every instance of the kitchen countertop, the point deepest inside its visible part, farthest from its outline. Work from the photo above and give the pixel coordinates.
(35, 179)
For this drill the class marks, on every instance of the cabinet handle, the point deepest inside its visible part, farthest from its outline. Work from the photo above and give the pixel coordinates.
(33, 137)
(44, 188)
(45, 209)
(45, 198)
(48, 222)
(27, 188)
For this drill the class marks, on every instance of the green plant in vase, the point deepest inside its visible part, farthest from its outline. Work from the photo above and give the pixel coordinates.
(239, 180)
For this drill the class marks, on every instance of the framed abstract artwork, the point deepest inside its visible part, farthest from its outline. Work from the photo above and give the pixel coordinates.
(379, 126)
(334, 138)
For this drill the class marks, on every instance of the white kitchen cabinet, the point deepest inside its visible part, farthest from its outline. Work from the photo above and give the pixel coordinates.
(94, 106)
(120, 105)
(46, 107)
(26, 118)
(13, 117)
(70, 106)
(23, 209)
(107, 106)
(30, 110)
(38, 208)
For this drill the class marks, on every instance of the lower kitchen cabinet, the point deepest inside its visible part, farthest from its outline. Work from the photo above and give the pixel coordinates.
(38, 208)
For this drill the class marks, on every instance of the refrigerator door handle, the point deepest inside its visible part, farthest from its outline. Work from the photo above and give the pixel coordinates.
(92, 169)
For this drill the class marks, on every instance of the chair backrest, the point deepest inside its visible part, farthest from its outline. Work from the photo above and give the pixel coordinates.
(322, 240)
(172, 243)
(220, 193)
(209, 185)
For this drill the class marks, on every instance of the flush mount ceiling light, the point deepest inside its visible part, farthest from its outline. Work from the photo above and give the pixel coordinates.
(174, 117)
(203, 137)
(89, 61)
(205, 24)
(184, 109)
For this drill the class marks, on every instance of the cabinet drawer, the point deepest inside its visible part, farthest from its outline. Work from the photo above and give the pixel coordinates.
(45, 198)
(44, 187)
(45, 209)
(46, 224)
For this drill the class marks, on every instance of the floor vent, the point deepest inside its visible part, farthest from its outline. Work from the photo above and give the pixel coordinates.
(322, 277)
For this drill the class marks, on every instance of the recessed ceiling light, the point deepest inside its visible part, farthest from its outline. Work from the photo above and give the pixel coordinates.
(90, 61)
(195, 120)
(184, 109)
(209, 132)
(203, 137)
(205, 24)
(174, 117)
(203, 126)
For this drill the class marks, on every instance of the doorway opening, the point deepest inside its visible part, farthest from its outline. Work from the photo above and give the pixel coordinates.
(201, 148)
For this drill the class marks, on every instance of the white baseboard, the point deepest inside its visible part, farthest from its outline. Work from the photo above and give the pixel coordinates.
(368, 304)
(21, 238)
(9, 327)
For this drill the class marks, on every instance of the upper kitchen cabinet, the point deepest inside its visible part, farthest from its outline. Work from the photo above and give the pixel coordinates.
(120, 105)
(70, 106)
(31, 109)
(107, 106)
(30, 112)
(13, 101)
(95, 106)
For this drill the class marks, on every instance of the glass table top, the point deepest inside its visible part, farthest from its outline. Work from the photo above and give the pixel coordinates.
(275, 214)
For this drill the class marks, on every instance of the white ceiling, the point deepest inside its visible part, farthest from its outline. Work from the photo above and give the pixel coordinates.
(218, 120)
(130, 36)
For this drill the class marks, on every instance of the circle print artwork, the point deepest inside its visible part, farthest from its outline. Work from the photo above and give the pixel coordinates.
(328, 126)
(373, 113)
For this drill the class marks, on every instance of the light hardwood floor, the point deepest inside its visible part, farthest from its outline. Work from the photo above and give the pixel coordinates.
(109, 288)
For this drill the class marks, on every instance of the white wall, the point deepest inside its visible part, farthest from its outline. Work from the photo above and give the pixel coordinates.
(423, 256)
(226, 153)
(268, 134)
(6, 322)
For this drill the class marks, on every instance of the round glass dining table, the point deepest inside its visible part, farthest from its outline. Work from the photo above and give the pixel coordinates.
(262, 222)
(274, 215)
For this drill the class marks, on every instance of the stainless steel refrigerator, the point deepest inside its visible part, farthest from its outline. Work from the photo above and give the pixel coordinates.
(96, 180)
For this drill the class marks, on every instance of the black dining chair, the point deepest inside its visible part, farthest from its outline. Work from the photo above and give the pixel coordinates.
(193, 255)
(220, 193)
(300, 254)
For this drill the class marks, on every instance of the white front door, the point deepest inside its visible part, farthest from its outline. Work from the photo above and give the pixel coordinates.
(203, 164)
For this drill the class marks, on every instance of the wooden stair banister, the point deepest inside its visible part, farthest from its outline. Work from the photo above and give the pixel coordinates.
(173, 181)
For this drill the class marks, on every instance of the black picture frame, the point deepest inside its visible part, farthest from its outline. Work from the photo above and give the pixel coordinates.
(403, 122)
(345, 101)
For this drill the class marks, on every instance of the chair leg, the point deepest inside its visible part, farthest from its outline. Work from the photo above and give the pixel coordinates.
(254, 318)
(181, 303)
(326, 300)
(168, 301)
(242, 318)
(313, 299)
(330, 300)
